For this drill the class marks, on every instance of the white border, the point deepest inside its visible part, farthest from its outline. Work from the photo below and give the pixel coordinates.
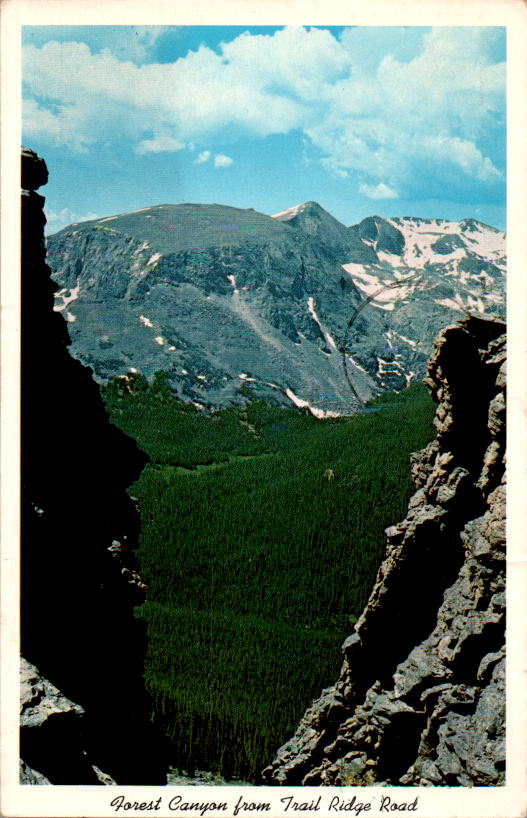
(54, 801)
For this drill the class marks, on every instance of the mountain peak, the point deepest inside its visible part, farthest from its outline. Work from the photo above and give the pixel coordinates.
(380, 234)
(310, 207)
(311, 219)
(470, 225)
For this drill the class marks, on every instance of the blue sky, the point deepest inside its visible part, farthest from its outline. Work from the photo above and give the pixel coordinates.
(392, 121)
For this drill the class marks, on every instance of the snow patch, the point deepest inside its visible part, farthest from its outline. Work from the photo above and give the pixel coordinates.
(475, 304)
(109, 219)
(420, 235)
(153, 259)
(232, 280)
(488, 244)
(70, 318)
(357, 365)
(290, 213)
(66, 299)
(144, 246)
(311, 307)
(383, 294)
(389, 258)
(392, 335)
(160, 340)
(304, 404)
(452, 303)
(388, 367)
(146, 321)
(408, 341)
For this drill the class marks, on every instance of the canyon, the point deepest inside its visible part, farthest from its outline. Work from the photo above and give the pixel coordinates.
(420, 698)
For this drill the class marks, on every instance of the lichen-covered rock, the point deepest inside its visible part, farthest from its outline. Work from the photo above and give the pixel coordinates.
(421, 695)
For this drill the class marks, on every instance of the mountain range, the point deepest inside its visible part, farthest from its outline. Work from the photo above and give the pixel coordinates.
(297, 307)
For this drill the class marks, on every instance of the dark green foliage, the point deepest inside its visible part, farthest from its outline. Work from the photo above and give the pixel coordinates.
(262, 530)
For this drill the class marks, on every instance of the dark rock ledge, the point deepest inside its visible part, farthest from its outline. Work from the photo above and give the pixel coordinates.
(84, 709)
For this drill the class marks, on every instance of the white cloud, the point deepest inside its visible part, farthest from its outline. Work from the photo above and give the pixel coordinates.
(204, 156)
(431, 105)
(222, 161)
(462, 153)
(56, 221)
(380, 191)
(138, 42)
(123, 42)
(159, 144)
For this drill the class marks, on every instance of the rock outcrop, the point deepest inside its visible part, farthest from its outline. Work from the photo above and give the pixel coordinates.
(421, 695)
(79, 530)
(49, 720)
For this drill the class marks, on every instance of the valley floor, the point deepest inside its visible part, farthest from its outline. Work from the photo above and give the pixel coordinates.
(262, 530)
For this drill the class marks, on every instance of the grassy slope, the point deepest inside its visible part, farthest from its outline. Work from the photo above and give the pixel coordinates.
(258, 563)
(175, 228)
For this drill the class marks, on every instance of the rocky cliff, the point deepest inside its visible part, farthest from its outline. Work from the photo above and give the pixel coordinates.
(79, 529)
(421, 695)
(220, 297)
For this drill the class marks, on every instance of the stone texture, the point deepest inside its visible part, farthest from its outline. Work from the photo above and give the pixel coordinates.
(51, 734)
(421, 696)
(78, 588)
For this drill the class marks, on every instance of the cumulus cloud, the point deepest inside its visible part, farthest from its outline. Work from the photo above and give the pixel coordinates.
(160, 144)
(134, 43)
(204, 156)
(380, 191)
(403, 112)
(222, 161)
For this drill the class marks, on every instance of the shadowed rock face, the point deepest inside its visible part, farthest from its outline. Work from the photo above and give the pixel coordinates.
(421, 695)
(79, 529)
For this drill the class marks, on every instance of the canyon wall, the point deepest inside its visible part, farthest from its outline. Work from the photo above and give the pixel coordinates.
(421, 695)
(83, 646)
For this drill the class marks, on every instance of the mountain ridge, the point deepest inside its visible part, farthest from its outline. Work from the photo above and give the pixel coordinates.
(210, 293)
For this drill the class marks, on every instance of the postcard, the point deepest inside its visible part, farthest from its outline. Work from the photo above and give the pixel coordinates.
(263, 408)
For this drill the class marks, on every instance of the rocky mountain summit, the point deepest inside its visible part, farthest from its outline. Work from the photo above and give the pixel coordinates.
(83, 705)
(421, 695)
(222, 298)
